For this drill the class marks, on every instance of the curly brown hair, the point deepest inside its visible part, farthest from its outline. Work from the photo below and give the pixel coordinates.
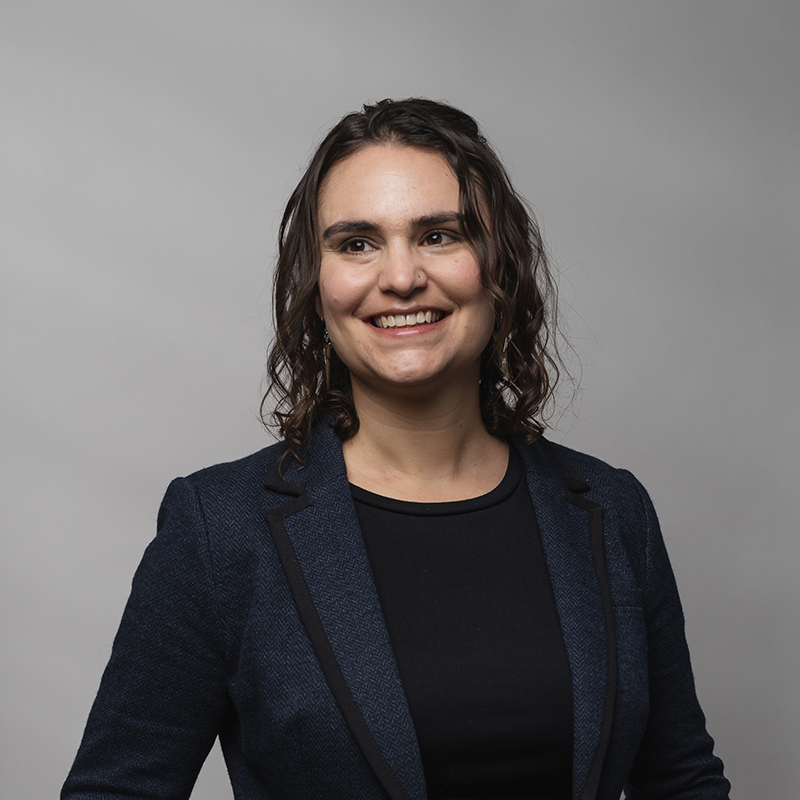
(520, 365)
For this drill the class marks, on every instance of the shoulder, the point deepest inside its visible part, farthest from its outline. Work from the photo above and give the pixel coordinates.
(267, 470)
(581, 472)
(226, 499)
(631, 532)
(263, 480)
(626, 505)
(238, 475)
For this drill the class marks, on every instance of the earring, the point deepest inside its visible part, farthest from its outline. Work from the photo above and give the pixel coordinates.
(326, 357)
(504, 359)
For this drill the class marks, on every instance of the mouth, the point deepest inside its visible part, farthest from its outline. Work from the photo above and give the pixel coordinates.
(406, 320)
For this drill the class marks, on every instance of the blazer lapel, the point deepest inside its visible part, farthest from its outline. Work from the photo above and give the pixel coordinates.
(571, 530)
(319, 542)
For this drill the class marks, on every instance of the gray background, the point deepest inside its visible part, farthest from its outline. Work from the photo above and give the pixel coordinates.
(147, 149)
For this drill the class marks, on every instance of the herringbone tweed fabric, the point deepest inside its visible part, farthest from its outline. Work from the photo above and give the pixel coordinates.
(211, 643)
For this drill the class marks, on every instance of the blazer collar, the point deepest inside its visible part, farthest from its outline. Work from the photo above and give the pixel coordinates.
(319, 542)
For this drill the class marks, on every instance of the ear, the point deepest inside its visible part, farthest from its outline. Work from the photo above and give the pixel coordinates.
(318, 305)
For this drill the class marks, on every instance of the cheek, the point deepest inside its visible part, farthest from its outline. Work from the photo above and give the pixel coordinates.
(335, 291)
(466, 283)
(474, 295)
(466, 272)
(484, 324)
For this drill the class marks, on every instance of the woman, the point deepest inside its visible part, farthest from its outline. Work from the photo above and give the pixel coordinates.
(414, 594)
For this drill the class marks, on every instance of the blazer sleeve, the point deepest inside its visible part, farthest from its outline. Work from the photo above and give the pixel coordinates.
(163, 692)
(675, 759)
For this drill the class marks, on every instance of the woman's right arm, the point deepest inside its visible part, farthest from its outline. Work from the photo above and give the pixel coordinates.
(163, 692)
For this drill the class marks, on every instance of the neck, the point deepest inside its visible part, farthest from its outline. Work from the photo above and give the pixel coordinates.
(424, 446)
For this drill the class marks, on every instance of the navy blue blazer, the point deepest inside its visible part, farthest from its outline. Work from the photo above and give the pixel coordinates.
(254, 617)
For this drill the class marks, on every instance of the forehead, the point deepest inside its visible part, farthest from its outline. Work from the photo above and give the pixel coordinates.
(389, 178)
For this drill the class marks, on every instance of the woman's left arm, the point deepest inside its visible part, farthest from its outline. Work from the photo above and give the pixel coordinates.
(675, 759)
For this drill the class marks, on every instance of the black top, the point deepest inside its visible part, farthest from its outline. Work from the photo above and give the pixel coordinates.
(471, 616)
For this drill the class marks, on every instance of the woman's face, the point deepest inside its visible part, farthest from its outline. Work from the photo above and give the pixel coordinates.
(399, 287)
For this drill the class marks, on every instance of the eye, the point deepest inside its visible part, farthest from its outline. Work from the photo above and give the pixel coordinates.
(438, 238)
(356, 246)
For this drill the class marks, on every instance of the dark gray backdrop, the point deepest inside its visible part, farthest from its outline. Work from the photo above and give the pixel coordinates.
(147, 149)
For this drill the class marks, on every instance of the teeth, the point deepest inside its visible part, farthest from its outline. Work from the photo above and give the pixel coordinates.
(407, 320)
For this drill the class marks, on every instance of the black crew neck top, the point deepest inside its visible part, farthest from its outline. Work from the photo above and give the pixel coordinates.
(471, 616)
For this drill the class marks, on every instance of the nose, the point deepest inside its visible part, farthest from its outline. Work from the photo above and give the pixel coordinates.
(401, 270)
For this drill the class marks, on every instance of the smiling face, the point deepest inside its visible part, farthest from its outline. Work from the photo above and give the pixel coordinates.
(399, 287)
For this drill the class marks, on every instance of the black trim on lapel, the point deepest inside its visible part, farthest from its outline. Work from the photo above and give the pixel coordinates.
(574, 485)
(316, 632)
(275, 481)
(572, 481)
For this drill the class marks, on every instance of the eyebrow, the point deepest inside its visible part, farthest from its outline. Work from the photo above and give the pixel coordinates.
(366, 226)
